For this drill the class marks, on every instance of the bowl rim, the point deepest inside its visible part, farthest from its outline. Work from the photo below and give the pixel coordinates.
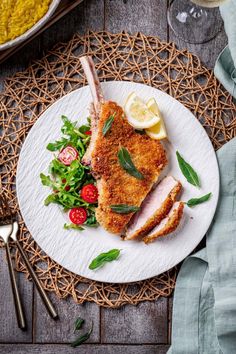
(52, 7)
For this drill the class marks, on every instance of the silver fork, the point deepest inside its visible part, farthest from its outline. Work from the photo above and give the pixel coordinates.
(6, 228)
(47, 302)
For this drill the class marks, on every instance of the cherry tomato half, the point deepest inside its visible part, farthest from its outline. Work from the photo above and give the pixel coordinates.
(67, 155)
(88, 132)
(89, 193)
(78, 215)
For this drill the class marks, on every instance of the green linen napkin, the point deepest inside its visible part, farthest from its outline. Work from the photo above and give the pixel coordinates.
(204, 310)
(225, 67)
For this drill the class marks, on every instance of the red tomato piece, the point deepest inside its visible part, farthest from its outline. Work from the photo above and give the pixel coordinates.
(67, 155)
(89, 193)
(88, 132)
(78, 215)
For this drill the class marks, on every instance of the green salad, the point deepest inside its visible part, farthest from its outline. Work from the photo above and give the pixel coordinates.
(72, 184)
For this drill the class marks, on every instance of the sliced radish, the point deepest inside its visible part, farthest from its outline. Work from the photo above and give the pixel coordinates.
(67, 155)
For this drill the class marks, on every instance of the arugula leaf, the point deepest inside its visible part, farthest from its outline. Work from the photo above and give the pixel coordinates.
(46, 180)
(73, 226)
(51, 198)
(91, 221)
(124, 209)
(108, 124)
(67, 181)
(78, 323)
(127, 164)
(84, 128)
(195, 201)
(57, 145)
(187, 170)
(82, 338)
(102, 258)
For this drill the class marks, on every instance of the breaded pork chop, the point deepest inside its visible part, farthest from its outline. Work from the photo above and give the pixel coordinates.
(115, 185)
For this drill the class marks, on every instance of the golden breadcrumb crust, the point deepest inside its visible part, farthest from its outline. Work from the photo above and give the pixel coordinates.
(115, 185)
(170, 226)
(159, 215)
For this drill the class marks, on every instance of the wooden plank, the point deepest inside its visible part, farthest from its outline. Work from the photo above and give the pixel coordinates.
(144, 323)
(88, 15)
(84, 349)
(207, 52)
(61, 331)
(9, 331)
(147, 16)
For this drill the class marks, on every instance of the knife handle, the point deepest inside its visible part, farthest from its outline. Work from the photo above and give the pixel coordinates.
(47, 302)
(16, 296)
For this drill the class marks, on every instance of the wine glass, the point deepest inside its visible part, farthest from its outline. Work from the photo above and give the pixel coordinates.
(195, 21)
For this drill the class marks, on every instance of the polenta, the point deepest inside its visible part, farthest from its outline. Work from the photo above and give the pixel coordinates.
(17, 16)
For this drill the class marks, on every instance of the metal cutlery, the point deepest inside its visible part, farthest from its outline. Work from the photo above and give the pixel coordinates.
(13, 234)
(6, 227)
(47, 302)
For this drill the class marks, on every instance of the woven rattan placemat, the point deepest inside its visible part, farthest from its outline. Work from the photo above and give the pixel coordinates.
(118, 57)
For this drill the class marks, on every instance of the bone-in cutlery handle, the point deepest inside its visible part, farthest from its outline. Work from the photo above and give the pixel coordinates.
(16, 296)
(47, 302)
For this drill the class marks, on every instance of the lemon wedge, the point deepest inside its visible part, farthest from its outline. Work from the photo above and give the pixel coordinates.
(158, 131)
(138, 114)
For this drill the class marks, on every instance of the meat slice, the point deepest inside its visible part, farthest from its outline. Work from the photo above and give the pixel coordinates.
(115, 185)
(168, 224)
(154, 208)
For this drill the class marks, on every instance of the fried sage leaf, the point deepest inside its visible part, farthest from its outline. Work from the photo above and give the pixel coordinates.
(79, 323)
(127, 164)
(82, 338)
(124, 208)
(102, 258)
(195, 201)
(187, 170)
(108, 124)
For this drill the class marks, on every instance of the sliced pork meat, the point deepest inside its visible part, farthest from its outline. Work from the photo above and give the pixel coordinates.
(168, 225)
(154, 208)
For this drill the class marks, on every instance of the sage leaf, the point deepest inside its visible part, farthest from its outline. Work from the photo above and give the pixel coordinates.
(195, 201)
(82, 338)
(124, 209)
(79, 323)
(127, 164)
(187, 170)
(102, 258)
(108, 124)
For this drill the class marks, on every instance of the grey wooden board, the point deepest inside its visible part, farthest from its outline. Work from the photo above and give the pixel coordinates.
(145, 323)
(134, 16)
(84, 349)
(148, 322)
(9, 331)
(61, 331)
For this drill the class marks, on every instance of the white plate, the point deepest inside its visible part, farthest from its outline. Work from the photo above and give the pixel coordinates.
(33, 29)
(75, 250)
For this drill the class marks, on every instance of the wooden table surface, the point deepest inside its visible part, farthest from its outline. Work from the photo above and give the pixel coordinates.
(144, 329)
